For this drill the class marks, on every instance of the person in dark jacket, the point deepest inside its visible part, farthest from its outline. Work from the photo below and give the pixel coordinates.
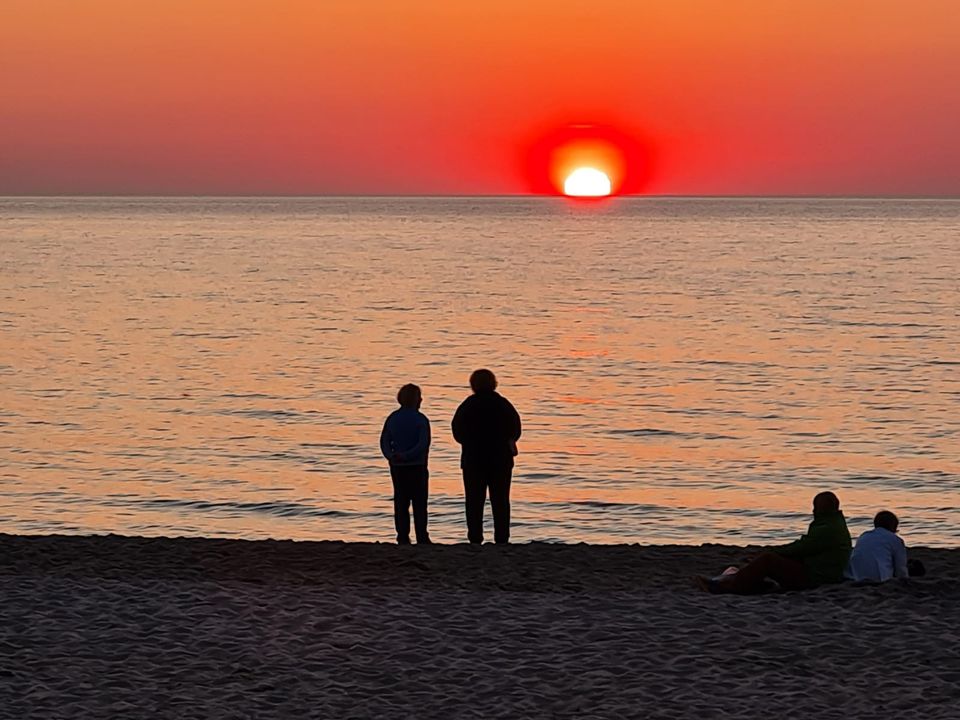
(817, 558)
(487, 427)
(405, 443)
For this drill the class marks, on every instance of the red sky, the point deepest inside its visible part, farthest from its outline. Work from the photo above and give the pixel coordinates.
(448, 96)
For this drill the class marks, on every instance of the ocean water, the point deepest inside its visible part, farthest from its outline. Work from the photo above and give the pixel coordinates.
(688, 370)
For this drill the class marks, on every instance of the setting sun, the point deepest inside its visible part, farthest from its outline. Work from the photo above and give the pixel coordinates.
(587, 182)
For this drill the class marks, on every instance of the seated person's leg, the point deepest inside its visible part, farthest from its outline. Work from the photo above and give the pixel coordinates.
(789, 574)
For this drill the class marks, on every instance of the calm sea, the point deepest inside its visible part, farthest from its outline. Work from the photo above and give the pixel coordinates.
(687, 370)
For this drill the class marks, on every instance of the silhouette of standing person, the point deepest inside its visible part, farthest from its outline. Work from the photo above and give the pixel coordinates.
(487, 427)
(405, 443)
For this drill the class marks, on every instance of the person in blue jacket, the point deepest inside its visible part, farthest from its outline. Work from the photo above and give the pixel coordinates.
(405, 443)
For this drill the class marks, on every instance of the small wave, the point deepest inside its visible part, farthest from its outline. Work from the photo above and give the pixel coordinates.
(865, 323)
(333, 446)
(659, 432)
(281, 415)
(280, 509)
(645, 432)
(572, 505)
(208, 336)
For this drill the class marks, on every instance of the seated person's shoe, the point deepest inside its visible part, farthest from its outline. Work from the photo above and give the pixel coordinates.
(710, 585)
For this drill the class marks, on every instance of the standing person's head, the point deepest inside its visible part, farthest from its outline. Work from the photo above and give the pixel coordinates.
(410, 396)
(825, 502)
(482, 381)
(886, 520)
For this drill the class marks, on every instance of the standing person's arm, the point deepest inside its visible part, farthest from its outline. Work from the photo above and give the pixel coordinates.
(386, 447)
(516, 428)
(900, 560)
(457, 425)
(423, 438)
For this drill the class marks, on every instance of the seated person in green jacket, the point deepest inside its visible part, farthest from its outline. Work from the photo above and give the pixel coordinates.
(817, 558)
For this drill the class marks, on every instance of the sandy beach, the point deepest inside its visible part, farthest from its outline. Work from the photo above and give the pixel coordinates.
(110, 626)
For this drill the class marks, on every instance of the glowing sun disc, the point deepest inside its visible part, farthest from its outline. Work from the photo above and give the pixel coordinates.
(587, 182)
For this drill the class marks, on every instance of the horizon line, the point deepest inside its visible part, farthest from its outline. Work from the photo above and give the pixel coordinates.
(475, 196)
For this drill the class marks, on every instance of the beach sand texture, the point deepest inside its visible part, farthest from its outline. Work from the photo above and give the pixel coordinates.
(117, 627)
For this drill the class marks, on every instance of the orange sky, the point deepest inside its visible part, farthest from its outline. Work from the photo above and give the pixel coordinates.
(442, 96)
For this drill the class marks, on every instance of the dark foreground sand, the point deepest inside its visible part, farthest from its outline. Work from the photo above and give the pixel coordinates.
(114, 627)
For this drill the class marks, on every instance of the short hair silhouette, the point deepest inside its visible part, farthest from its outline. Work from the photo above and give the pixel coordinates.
(826, 502)
(409, 395)
(483, 380)
(887, 520)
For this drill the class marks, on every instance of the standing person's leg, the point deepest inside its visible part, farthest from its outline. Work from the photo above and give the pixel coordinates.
(401, 503)
(475, 495)
(419, 489)
(500, 504)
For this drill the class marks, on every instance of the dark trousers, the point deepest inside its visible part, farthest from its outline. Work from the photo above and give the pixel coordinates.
(790, 574)
(476, 481)
(410, 485)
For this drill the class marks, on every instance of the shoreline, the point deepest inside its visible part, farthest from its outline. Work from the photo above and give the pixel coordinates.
(533, 566)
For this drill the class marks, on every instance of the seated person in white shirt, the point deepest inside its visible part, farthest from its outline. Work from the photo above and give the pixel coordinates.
(879, 554)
